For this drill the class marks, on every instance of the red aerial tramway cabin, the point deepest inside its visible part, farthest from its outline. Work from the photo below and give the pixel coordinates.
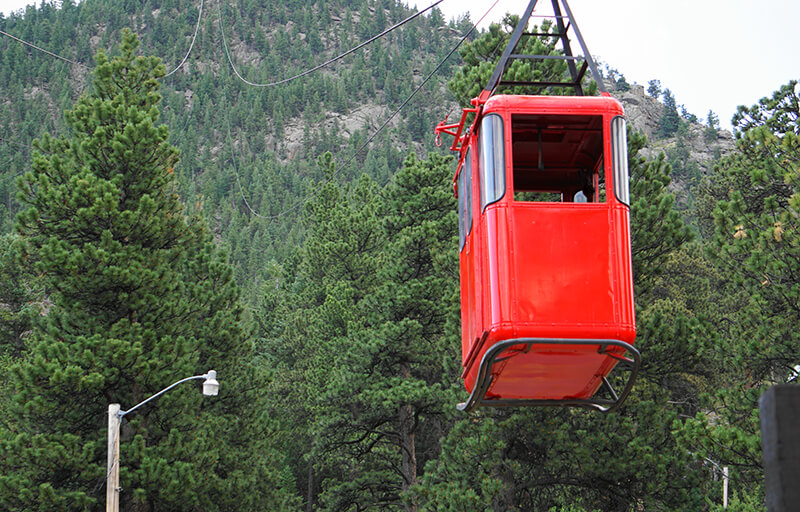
(547, 307)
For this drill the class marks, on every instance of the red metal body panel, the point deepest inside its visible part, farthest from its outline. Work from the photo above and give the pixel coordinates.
(545, 270)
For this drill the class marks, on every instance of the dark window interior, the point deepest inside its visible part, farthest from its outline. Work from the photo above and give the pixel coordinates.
(557, 157)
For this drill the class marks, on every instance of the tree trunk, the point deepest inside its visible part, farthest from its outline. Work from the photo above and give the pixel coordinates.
(407, 447)
(310, 489)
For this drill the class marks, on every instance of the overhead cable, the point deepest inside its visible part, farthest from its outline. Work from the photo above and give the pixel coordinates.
(372, 137)
(9, 141)
(199, 17)
(196, 28)
(43, 50)
(233, 159)
(331, 61)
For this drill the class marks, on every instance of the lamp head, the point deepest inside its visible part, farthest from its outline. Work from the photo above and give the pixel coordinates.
(210, 385)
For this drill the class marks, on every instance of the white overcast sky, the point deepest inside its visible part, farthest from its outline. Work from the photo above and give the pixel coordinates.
(712, 54)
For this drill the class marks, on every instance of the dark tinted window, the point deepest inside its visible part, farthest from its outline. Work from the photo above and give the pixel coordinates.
(557, 157)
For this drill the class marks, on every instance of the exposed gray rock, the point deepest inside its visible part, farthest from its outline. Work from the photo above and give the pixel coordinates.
(641, 110)
(644, 112)
(693, 151)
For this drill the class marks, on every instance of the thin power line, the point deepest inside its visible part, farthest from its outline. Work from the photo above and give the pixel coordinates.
(233, 159)
(331, 61)
(8, 141)
(43, 50)
(196, 28)
(370, 139)
(464, 98)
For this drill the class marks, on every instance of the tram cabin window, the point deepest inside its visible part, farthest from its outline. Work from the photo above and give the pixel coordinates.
(619, 150)
(557, 158)
(492, 160)
(464, 192)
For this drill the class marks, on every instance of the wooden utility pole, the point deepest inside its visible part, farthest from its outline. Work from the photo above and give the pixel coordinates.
(112, 474)
(210, 388)
(725, 487)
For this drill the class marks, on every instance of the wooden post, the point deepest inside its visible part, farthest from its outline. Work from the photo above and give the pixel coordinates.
(112, 475)
(725, 487)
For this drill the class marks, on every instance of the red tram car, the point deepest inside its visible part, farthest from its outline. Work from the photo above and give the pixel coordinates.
(547, 307)
(545, 261)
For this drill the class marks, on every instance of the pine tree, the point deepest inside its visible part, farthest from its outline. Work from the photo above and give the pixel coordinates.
(20, 305)
(140, 297)
(712, 127)
(362, 330)
(654, 88)
(657, 228)
(20, 298)
(670, 120)
(751, 224)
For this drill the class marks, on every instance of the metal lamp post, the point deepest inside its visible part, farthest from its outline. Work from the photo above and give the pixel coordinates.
(115, 414)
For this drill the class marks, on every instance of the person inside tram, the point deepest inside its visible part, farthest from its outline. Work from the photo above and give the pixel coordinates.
(586, 193)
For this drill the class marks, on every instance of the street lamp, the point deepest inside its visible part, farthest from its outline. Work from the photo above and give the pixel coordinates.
(115, 414)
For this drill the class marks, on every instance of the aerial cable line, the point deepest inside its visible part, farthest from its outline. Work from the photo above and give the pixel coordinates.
(464, 97)
(196, 28)
(191, 45)
(441, 63)
(331, 61)
(9, 141)
(233, 155)
(199, 17)
(226, 109)
(236, 170)
(43, 50)
(2, 140)
(370, 139)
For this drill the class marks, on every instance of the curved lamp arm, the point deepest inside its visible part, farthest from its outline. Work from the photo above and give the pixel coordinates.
(210, 388)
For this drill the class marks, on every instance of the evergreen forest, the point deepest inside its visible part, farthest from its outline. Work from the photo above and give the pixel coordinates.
(179, 194)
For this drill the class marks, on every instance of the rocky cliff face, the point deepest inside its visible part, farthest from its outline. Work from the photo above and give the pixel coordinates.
(644, 112)
(641, 110)
(692, 152)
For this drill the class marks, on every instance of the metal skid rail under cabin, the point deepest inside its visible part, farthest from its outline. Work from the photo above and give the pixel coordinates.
(545, 262)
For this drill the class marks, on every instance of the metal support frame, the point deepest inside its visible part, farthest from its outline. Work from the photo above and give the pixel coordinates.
(454, 129)
(576, 74)
(495, 355)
